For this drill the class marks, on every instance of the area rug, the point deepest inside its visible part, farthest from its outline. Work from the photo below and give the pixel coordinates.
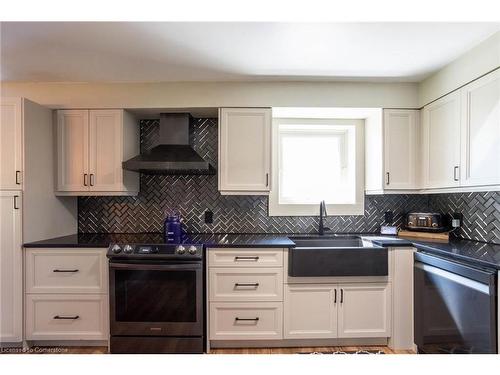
(348, 352)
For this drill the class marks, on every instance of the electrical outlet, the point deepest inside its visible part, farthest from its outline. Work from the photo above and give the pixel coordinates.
(209, 217)
(455, 223)
(389, 217)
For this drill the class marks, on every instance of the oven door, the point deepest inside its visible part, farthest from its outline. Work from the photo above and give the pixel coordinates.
(156, 299)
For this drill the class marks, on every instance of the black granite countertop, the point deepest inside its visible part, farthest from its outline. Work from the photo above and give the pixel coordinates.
(480, 253)
(209, 240)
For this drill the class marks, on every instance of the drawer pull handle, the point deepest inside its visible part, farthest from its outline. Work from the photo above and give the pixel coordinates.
(247, 319)
(254, 259)
(62, 317)
(254, 285)
(68, 271)
(18, 177)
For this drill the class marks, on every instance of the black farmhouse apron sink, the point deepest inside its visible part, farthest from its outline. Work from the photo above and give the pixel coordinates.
(336, 256)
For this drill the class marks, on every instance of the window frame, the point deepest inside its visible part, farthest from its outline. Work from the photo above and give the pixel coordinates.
(277, 209)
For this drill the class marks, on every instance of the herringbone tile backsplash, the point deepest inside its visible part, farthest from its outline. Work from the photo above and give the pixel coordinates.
(192, 195)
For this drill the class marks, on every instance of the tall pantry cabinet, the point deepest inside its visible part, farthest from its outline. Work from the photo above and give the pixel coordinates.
(29, 211)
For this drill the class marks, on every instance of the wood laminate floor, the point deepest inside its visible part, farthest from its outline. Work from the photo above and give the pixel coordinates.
(104, 350)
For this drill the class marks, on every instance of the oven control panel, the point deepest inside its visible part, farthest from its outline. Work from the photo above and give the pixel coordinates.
(181, 251)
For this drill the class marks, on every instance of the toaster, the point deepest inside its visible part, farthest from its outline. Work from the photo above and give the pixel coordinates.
(425, 222)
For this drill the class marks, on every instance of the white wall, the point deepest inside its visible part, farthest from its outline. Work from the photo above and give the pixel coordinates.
(216, 94)
(480, 60)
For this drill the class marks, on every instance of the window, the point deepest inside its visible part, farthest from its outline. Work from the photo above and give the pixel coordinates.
(314, 160)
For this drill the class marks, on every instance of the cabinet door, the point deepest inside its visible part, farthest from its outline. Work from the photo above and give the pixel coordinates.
(441, 140)
(310, 311)
(11, 293)
(72, 150)
(480, 157)
(364, 310)
(400, 149)
(11, 144)
(244, 150)
(106, 150)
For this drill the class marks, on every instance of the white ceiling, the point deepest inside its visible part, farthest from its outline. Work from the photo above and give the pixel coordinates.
(158, 52)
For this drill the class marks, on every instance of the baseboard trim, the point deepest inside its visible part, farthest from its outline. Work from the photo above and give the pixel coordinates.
(297, 343)
(67, 343)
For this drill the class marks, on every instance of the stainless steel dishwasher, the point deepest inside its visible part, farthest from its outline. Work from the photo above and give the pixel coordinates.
(455, 306)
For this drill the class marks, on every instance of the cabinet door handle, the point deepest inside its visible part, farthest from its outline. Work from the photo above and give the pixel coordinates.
(91, 179)
(387, 178)
(253, 285)
(70, 271)
(341, 295)
(16, 206)
(267, 179)
(335, 296)
(62, 317)
(18, 177)
(455, 170)
(238, 258)
(247, 319)
(85, 179)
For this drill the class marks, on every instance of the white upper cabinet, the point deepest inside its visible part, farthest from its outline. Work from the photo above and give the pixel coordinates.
(401, 140)
(72, 150)
(441, 142)
(11, 144)
(244, 150)
(91, 146)
(11, 280)
(480, 157)
(105, 156)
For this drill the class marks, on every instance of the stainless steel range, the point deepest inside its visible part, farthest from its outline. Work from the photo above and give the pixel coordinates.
(156, 298)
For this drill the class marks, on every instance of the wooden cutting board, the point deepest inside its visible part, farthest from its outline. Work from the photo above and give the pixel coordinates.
(443, 236)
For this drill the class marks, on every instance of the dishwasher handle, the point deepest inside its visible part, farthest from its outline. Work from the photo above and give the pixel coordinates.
(481, 275)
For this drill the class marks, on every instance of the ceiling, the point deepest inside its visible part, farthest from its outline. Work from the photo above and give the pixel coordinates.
(182, 51)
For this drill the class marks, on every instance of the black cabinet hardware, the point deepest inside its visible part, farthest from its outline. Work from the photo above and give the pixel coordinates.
(59, 317)
(18, 177)
(255, 285)
(16, 206)
(69, 271)
(246, 258)
(246, 319)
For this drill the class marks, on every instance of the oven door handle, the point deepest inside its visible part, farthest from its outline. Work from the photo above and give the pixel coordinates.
(155, 267)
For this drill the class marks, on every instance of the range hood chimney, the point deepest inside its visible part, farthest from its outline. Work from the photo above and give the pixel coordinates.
(173, 154)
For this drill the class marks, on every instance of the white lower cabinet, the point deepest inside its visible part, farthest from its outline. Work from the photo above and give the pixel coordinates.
(364, 310)
(66, 294)
(11, 279)
(246, 321)
(310, 311)
(66, 317)
(337, 310)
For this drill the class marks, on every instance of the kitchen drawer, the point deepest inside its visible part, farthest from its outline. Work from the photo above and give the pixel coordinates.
(66, 271)
(246, 321)
(246, 284)
(245, 257)
(66, 317)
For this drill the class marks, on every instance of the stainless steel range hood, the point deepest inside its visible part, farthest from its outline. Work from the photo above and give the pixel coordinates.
(173, 154)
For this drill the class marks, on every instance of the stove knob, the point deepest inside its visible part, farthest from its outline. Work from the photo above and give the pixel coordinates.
(116, 249)
(180, 250)
(128, 249)
(192, 250)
